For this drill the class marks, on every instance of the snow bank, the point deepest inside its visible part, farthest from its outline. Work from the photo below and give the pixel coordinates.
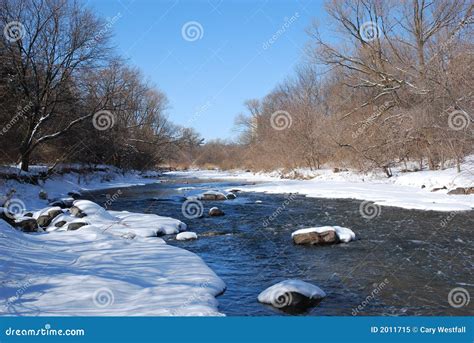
(275, 294)
(344, 234)
(410, 190)
(92, 271)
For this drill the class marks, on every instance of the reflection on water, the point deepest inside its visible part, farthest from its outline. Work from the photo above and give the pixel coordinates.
(404, 262)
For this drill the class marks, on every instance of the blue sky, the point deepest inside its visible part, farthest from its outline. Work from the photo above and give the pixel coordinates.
(208, 79)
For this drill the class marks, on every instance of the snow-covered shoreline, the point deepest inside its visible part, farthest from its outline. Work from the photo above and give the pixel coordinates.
(113, 264)
(421, 190)
(58, 186)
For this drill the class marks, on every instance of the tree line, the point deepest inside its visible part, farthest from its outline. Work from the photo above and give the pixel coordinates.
(66, 96)
(391, 85)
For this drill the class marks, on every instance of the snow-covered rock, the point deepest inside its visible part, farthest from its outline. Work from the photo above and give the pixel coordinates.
(212, 195)
(344, 234)
(26, 224)
(215, 212)
(323, 235)
(292, 293)
(185, 236)
(147, 225)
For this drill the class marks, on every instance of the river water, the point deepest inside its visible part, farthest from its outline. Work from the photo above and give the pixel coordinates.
(405, 262)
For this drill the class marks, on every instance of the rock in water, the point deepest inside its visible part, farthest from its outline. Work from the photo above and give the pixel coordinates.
(43, 195)
(186, 236)
(231, 196)
(320, 237)
(63, 202)
(292, 293)
(214, 212)
(212, 195)
(323, 235)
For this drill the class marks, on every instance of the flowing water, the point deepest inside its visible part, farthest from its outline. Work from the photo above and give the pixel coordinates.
(405, 262)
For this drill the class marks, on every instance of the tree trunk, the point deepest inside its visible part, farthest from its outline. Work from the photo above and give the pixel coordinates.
(25, 161)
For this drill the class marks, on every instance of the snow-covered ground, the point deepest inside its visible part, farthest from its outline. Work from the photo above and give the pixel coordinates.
(113, 265)
(411, 190)
(94, 272)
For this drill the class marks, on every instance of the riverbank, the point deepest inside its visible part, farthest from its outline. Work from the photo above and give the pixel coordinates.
(420, 190)
(69, 178)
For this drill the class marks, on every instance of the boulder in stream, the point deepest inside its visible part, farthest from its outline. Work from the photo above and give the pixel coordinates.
(323, 235)
(215, 212)
(186, 236)
(292, 293)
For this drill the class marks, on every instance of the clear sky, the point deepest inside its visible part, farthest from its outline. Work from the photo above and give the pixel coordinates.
(208, 76)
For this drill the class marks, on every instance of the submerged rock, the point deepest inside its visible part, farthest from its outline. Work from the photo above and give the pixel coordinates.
(186, 236)
(215, 212)
(43, 195)
(292, 293)
(231, 196)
